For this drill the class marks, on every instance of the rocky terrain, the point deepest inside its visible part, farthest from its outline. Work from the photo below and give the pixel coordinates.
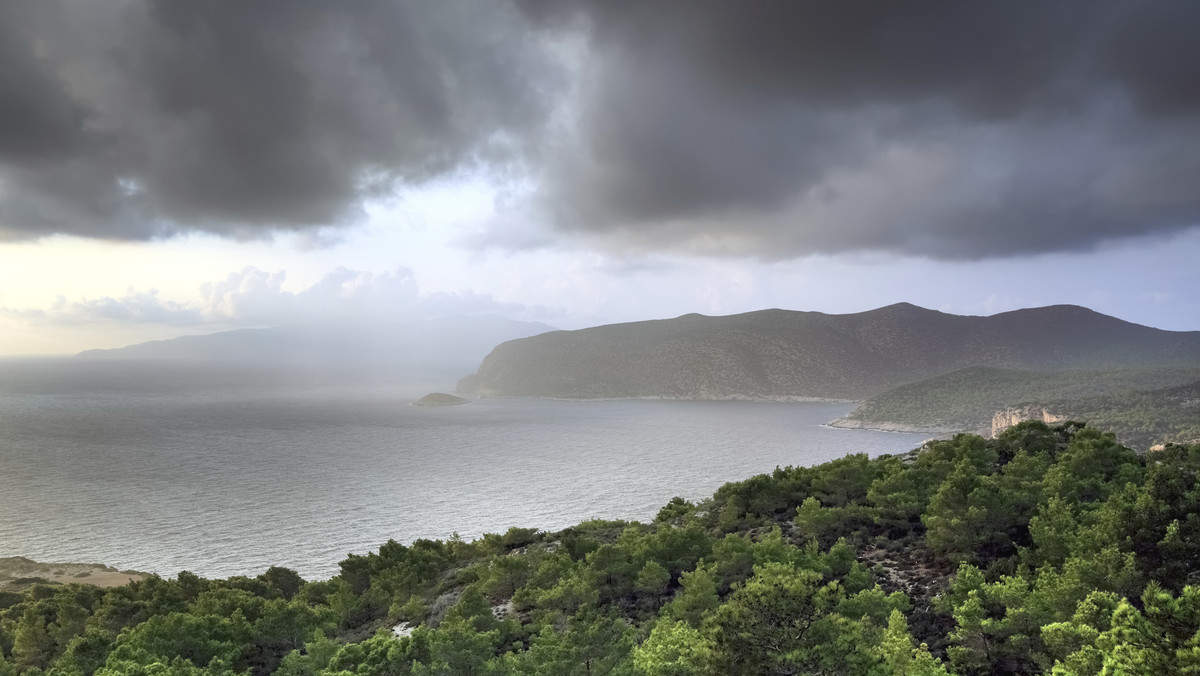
(1009, 417)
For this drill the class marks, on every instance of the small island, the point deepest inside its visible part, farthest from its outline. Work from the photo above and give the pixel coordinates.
(440, 399)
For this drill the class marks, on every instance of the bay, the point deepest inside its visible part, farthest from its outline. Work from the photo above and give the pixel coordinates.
(163, 468)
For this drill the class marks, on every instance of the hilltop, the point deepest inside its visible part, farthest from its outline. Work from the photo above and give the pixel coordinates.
(774, 354)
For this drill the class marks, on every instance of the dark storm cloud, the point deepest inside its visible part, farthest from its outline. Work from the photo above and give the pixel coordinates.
(952, 129)
(138, 118)
(774, 129)
(37, 118)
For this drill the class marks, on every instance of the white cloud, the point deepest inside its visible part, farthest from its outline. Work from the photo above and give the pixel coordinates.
(254, 297)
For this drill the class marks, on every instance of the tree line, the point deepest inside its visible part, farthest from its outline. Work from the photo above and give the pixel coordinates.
(1052, 549)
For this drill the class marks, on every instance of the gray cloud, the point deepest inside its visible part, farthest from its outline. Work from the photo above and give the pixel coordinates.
(37, 118)
(137, 118)
(950, 129)
(941, 128)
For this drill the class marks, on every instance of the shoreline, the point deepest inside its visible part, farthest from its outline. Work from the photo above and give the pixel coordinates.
(757, 399)
(887, 426)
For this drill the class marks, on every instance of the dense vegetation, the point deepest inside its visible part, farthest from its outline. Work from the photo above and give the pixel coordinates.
(1141, 406)
(1143, 418)
(1048, 549)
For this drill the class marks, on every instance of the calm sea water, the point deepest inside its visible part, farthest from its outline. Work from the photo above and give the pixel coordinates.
(164, 469)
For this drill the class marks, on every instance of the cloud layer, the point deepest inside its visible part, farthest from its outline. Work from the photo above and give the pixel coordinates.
(252, 298)
(938, 128)
(956, 130)
(137, 118)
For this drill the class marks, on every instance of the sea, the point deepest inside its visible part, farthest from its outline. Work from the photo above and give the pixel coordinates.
(169, 467)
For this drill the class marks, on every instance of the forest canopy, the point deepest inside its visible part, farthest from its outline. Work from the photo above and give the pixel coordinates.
(1048, 549)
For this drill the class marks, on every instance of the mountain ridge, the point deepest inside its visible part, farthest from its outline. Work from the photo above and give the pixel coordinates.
(775, 353)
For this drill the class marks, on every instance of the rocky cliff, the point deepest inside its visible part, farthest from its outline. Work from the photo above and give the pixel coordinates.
(1005, 419)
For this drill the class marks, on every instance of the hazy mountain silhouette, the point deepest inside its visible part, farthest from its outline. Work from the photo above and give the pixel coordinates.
(443, 348)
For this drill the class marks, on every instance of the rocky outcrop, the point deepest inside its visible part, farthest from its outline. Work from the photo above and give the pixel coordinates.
(1182, 442)
(1005, 419)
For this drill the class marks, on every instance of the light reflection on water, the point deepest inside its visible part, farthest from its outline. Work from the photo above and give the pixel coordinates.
(162, 471)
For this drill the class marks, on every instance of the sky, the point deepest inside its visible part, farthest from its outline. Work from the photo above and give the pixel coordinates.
(171, 168)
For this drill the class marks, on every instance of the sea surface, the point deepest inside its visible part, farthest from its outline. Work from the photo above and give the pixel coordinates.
(163, 468)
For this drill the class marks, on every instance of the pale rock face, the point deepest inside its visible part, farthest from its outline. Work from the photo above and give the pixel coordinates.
(403, 629)
(1163, 447)
(1005, 419)
(503, 610)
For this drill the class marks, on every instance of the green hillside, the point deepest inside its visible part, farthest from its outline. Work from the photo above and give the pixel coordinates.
(1142, 418)
(1047, 549)
(1142, 406)
(779, 354)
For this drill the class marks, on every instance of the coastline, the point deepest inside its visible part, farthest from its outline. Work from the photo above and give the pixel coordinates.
(753, 398)
(887, 426)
